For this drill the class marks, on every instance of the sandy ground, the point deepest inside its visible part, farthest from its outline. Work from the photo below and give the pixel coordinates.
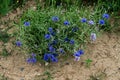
(104, 52)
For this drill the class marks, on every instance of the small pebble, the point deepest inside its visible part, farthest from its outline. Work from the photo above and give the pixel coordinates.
(21, 69)
(46, 64)
(67, 63)
(118, 68)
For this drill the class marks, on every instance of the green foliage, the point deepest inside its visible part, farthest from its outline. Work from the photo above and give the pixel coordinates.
(109, 5)
(4, 36)
(88, 62)
(4, 6)
(2, 77)
(66, 3)
(98, 76)
(33, 36)
(5, 53)
(17, 3)
(49, 76)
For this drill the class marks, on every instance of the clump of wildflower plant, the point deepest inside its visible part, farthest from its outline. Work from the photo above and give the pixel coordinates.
(51, 36)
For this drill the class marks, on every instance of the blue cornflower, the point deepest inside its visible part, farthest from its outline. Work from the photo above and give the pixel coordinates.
(53, 33)
(93, 36)
(18, 43)
(51, 49)
(26, 23)
(83, 20)
(33, 54)
(66, 23)
(50, 29)
(79, 53)
(77, 58)
(74, 29)
(51, 57)
(55, 18)
(31, 60)
(66, 39)
(106, 16)
(61, 50)
(91, 22)
(47, 36)
(72, 41)
(55, 55)
(102, 22)
(47, 56)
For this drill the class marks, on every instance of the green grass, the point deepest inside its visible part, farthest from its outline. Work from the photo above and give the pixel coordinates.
(7, 5)
(98, 76)
(5, 53)
(45, 76)
(88, 62)
(2, 77)
(4, 6)
(4, 36)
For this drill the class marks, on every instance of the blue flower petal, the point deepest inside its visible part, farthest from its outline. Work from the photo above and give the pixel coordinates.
(18, 43)
(106, 16)
(83, 20)
(91, 22)
(72, 41)
(26, 23)
(102, 22)
(51, 49)
(66, 23)
(54, 59)
(55, 18)
(47, 36)
(79, 53)
(47, 56)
